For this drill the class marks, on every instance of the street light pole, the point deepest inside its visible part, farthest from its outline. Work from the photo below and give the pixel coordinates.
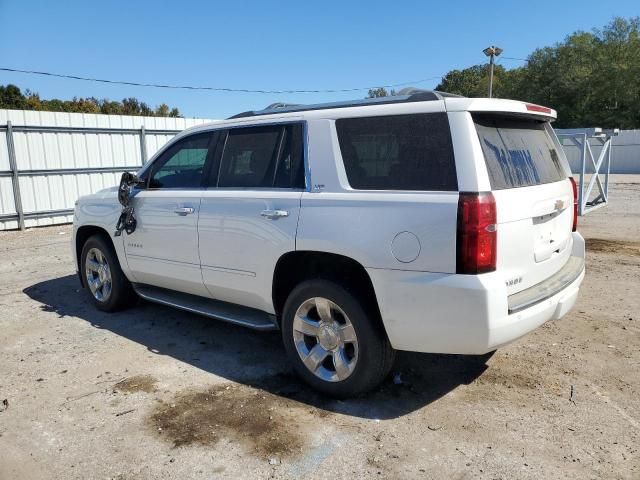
(491, 52)
(491, 75)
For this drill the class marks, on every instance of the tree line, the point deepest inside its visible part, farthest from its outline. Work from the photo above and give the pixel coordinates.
(12, 97)
(591, 78)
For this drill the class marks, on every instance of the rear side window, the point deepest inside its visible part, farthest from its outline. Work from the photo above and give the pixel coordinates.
(263, 157)
(518, 152)
(249, 157)
(290, 168)
(398, 152)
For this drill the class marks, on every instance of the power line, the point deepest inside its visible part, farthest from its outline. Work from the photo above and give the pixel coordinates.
(515, 58)
(214, 89)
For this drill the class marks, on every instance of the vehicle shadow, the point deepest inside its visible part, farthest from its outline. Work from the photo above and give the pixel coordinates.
(257, 359)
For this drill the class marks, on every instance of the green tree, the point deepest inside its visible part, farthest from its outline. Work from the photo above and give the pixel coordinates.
(162, 110)
(12, 97)
(130, 106)
(465, 82)
(474, 81)
(84, 105)
(146, 110)
(591, 78)
(32, 101)
(377, 92)
(109, 107)
(381, 92)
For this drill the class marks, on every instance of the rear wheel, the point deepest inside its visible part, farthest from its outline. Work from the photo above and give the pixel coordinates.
(334, 344)
(103, 278)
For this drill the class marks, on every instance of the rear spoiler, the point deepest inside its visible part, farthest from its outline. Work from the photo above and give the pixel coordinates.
(499, 105)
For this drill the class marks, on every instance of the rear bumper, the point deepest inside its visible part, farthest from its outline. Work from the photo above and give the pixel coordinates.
(470, 314)
(547, 289)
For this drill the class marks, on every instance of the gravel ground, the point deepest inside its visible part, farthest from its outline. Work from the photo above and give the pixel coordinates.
(154, 393)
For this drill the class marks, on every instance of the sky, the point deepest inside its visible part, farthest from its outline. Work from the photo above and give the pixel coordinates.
(278, 45)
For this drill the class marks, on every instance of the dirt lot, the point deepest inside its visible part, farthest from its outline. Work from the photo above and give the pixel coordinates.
(156, 393)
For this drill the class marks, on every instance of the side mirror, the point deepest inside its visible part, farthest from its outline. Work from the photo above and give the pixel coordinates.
(127, 181)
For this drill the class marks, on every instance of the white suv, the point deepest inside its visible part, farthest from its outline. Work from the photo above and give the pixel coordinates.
(423, 222)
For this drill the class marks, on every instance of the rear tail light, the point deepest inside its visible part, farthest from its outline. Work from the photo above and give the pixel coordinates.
(477, 233)
(574, 226)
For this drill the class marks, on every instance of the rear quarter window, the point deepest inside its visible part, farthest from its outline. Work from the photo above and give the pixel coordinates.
(398, 152)
(517, 152)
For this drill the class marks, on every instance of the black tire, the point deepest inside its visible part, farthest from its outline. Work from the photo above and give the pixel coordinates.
(121, 294)
(375, 354)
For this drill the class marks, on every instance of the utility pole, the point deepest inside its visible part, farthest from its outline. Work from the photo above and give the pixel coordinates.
(491, 52)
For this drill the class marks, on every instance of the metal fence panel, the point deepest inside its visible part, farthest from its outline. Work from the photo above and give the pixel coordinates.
(154, 142)
(7, 206)
(625, 155)
(585, 140)
(59, 159)
(4, 153)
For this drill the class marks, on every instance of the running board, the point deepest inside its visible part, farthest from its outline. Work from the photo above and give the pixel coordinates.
(227, 312)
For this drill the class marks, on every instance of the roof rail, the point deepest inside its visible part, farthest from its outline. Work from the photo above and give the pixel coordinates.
(406, 95)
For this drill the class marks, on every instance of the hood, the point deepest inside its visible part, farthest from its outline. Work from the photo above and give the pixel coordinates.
(108, 194)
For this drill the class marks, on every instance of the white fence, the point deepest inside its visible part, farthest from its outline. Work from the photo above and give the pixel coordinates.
(49, 159)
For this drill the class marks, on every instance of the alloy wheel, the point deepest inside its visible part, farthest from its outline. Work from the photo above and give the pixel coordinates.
(325, 339)
(98, 275)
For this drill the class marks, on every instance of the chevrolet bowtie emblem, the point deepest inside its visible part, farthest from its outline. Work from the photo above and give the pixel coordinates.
(559, 205)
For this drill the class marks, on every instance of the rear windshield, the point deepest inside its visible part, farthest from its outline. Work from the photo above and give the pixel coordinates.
(398, 152)
(518, 152)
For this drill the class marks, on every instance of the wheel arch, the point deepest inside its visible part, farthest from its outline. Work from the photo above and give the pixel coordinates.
(300, 265)
(82, 235)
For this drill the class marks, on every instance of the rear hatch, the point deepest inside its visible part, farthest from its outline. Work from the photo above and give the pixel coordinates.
(534, 197)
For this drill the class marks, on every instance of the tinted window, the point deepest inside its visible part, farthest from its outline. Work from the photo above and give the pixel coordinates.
(182, 165)
(400, 152)
(249, 157)
(518, 152)
(290, 169)
(263, 157)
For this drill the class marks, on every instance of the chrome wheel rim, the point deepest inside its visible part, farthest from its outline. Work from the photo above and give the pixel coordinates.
(325, 339)
(98, 275)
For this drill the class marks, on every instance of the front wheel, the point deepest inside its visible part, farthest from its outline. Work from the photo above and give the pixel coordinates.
(107, 285)
(334, 344)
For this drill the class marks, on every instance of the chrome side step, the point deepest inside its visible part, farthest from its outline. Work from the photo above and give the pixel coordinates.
(227, 312)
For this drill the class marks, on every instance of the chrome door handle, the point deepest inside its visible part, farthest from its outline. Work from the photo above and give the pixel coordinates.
(273, 214)
(184, 210)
